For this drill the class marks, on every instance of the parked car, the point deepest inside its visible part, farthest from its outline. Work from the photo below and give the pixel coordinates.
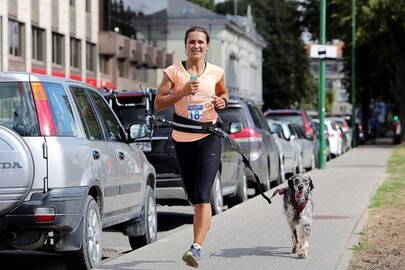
(255, 139)
(315, 124)
(335, 137)
(297, 117)
(136, 106)
(69, 170)
(290, 152)
(346, 130)
(307, 146)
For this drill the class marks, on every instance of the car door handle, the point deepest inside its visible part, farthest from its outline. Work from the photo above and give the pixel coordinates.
(121, 155)
(96, 155)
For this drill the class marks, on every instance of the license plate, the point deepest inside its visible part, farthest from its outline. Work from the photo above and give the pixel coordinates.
(144, 146)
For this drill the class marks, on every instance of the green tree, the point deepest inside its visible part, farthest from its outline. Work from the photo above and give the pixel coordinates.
(380, 57)
(287, 81)
(209, 4)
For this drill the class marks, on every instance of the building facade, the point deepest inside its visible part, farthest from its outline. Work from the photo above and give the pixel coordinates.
(63, 38)
(234, 43)
(335, 78)
(57, 38)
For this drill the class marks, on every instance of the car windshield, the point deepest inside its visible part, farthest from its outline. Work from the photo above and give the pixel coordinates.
(17, 109)
(289, 118)
(133, 114)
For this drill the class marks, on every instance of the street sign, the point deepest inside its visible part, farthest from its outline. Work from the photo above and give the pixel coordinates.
(323, 51)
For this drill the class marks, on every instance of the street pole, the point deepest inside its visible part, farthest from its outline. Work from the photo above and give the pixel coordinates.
(322, 158)
(353, 120)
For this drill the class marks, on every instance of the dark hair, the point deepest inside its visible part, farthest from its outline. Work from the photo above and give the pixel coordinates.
(197, 29)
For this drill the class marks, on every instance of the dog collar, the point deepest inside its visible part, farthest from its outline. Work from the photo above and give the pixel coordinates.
(298, 208)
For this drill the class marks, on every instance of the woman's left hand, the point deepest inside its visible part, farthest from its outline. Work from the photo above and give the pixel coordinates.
(218, 102)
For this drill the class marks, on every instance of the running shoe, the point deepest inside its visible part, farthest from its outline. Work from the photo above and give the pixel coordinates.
(192, 256)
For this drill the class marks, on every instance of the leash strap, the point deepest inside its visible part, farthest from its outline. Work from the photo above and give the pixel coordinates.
(180, 123)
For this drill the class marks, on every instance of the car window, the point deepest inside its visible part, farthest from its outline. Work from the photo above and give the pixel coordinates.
(233, 115)
(130, 115)
(258, 118)
(111, 124)
(61, 109)
(17, 110)
(87, 115)
(254, 116)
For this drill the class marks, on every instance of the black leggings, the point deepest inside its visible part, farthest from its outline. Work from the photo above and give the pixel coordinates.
(199, 163)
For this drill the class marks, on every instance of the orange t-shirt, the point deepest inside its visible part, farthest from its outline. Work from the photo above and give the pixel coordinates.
(199, 106)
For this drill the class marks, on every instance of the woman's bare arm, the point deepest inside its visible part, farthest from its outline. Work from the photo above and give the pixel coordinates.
(164, 99)
(221, 93)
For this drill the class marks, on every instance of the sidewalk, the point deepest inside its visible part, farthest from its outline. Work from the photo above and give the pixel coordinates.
(255, 235)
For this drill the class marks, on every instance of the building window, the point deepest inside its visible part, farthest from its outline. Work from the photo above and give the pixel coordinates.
(88, 6)
(16, 38)
(329, 84)
(57, 48)
(104, 64)
(75, 52)
(38, 43)
(90, 56)
(121, 67)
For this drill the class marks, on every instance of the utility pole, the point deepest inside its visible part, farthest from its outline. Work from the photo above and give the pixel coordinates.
(353, 120)
(322, 158)
(235, 7)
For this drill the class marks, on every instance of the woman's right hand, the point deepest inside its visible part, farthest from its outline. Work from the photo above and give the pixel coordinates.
(190, 88)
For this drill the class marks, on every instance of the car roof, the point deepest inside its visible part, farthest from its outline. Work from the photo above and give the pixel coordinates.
(33, 77)
(282, 112)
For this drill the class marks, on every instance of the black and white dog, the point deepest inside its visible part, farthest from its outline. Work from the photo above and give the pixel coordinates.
(298, 206)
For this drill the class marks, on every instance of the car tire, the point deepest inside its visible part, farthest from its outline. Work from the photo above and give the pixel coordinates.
(217, 199)
(150, 217)
(241, 191)
(90, 254)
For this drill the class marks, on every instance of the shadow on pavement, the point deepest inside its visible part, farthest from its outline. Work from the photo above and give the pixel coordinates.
(32, 260)
(255, 251)
(131, 265)
(171, 220)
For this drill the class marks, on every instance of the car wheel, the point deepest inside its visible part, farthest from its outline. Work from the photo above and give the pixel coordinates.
(241, 191)
(150, 216)
(217, 199)
(91, 251)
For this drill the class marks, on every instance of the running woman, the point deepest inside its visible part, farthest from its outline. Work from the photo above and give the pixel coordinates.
(196, 88)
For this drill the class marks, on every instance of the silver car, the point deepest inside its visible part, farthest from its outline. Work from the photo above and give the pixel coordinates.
(307, 146)
(290, 151)
(68, 169)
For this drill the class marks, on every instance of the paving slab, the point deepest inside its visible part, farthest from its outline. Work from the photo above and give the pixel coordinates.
(255, 235)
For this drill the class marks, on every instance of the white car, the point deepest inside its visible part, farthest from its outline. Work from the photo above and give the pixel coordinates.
(335, 137)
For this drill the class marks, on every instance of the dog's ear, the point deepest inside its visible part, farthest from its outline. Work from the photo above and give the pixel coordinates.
(291, 182)
(311, 184)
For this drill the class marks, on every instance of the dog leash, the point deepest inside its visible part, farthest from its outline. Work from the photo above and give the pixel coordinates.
(180, 123)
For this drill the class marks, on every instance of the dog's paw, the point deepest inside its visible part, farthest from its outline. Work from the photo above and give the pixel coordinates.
(302, 254)
(294, 250)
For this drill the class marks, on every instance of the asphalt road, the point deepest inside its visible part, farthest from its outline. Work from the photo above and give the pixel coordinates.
(170, 219)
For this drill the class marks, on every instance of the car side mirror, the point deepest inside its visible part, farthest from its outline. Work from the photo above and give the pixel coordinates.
(138, 130)
(292, 137)
(235, 127)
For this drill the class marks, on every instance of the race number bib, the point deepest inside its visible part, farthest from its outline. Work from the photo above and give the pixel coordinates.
(195, 112)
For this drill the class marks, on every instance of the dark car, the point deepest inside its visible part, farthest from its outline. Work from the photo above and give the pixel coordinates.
(297, 117)
(255, 139)
(137, 107)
